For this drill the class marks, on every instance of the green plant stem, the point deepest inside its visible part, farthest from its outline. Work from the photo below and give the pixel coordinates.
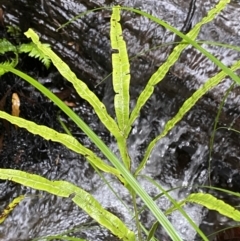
(132, 182)
(63, 125)
(177, 206)
(136, 216)
(211, 142)
(190, 41)
(172, 29)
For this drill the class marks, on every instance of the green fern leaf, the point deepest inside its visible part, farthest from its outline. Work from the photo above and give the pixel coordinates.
(187, 105)
(6, 46)
(121, 82)
(7, 64)
(83, 199)
(33, 51)
(212, 203)
(121, 71)
(67, 140)
(15, 32)
(173, 57)
(190, 102)
(81, 88)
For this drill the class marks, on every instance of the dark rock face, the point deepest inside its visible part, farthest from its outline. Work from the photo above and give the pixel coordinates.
(85, 46)
(89, 52)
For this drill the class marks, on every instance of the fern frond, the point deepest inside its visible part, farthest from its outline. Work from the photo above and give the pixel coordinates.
(75, 194)
(3, 66)
(32, 50)
(212, 203)
(6, 46)
(14, 32)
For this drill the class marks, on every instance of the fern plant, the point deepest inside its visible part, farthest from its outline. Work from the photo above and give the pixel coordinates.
(28, 48)
(120, 128)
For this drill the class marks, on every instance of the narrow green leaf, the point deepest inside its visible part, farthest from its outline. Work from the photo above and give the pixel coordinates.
(83, 199)
(174, 30)
(67, 140)
(152, 231)
(211, 141)
(62, 237)
(237, 194)
(187, 105)
(173, 57)
(121, 82)
(130, 180)
(122, 146)
(81, 88)
(212, 203)
(121, 71)
(178, 206)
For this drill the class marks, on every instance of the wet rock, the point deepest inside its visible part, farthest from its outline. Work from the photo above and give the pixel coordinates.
(84, 44)
(179, 159)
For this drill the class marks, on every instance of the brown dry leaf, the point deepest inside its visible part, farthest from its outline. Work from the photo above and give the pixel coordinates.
(63, 94)
(70, 104)
(1, 17)
(15, 105)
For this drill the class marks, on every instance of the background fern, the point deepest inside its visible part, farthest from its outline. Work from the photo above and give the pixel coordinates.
(29, 48)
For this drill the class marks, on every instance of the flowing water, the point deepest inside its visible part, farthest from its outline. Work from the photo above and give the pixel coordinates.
(181, 159)
(178, 160)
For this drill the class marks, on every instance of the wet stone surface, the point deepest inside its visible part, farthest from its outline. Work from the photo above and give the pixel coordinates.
(179, 159)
